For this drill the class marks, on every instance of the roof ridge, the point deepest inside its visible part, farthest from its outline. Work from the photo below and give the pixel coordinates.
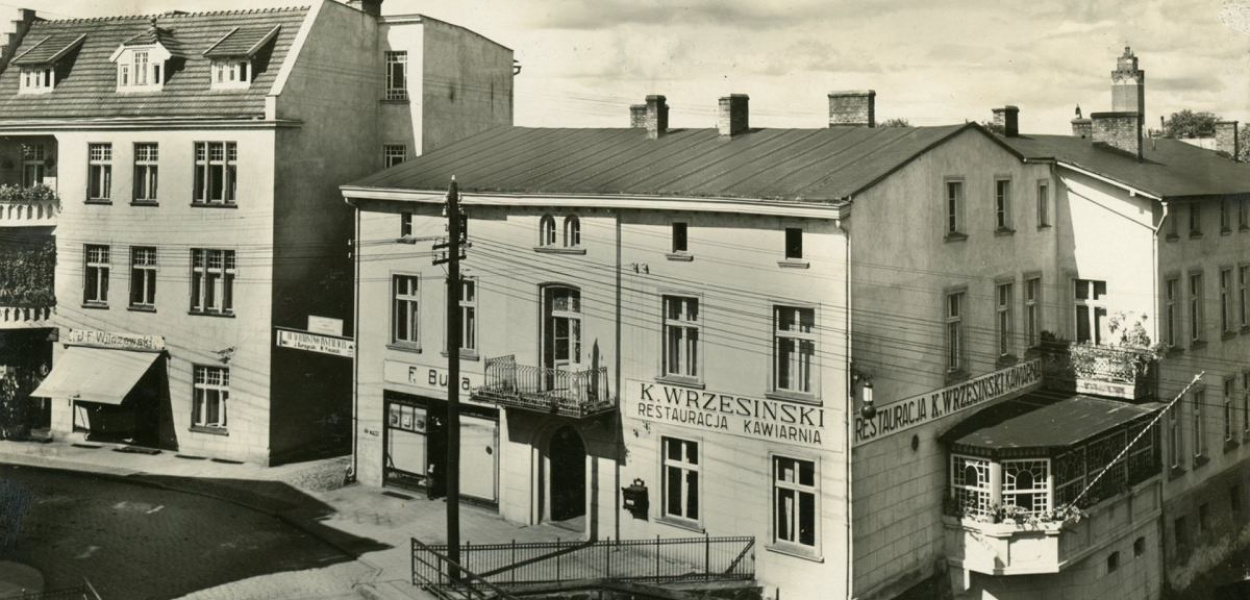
(170, 15)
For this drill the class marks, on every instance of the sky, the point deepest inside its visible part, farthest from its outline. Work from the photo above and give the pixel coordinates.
(931, 62)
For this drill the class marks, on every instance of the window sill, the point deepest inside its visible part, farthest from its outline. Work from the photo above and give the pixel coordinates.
(144, 203)
(796, 551)
(1044, 226)
(793, 397)
(395, 101)
(1228, 335)
(402, 347)
(956, 376)
(794, 263)
(146, 309)
(1230, 445)
(1174, 351)
(464, 355)
(220, 315)
(1172, 237)
(1195, 235)
(222, 431)
(955, 237)
(1005, 360)
(1197, 344)
(689, 382)
(1001, 231)
(1200, 461)
(679, 256)
(96, 305)
(1226, 231)
(214, 205)
(556, 250)
(100, 201)
(680, 523)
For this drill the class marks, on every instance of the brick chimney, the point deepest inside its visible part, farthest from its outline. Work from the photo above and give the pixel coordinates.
(12, 32)
(1082, 128)
(733, 118)
(1121, 130)
(657, 117)
(1226, 139)
(1007, 119)
(369, 7)
(638, 116)
(856, 108)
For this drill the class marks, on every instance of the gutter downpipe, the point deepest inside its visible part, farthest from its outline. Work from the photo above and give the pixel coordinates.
(355, 244)
(850, 407)
(1154, 257)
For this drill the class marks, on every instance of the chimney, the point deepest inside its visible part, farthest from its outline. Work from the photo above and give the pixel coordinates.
(1121, 130)
(853, 108)
(1082, 128)
(1226, 140)
(1007, 119)
(657, 117)
(369, 7)
(733, 117)
(12, 32)
(638, 116)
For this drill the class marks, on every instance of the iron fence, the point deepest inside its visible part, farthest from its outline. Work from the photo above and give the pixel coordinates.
(434, 572)
(575, 393)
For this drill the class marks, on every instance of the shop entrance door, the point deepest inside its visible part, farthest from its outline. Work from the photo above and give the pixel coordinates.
(567, 457)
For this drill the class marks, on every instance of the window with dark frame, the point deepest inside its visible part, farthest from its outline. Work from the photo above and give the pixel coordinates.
(1043, 203)
(795, 489)
(212, 281)
(1171, 291)
(1195, 219)
(1033, 310)
(143, 277)
(405, 310)
(405, 224)
(1091, 310)
(954, 206)
(1195, 308)
(794, 243)
(954, 332)
(146, 156)
(34, 164)
(794, 349)
(679, 238)
(96, 275)
(1005, 318)
(211, 391)
(681, 479)
(99, 172)
(216, 173)
(397, 75)
(681, 336)
(393, 154)
(1002, 204)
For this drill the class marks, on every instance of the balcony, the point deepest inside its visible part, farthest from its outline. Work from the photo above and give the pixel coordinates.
(571, 393)
(35, 206)
(1124, 372)
(24, 317)
(27, 273)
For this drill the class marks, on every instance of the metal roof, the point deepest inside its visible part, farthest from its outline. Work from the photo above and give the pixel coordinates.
(49, 49)
(88, 85)
(1169, 169)
(1060, 424)
(816, 165)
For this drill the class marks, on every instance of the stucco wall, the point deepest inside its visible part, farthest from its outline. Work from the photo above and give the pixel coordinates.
(466, 84)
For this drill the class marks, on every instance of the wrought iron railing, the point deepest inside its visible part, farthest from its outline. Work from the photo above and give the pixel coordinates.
(437, 574)
(1066, 366)
(575, 393)
(641, 561)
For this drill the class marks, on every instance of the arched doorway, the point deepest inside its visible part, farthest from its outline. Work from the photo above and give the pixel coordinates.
(567, 456)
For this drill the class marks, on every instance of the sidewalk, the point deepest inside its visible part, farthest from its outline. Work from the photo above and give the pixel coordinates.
(372, 527)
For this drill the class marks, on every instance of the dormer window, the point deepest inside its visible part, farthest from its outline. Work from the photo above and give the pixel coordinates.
(238, 56)
(231, 74)
(44, 61)
(142, 60)
(37, 80)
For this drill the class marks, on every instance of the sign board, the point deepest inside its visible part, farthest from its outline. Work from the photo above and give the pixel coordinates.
(918, 410)
(756, 418)
(325, 326)
(431, 379)
(313, 342)
(1127, 391)
(115, 341)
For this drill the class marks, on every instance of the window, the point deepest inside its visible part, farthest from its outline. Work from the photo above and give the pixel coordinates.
(1245, 400)
(1228, 323)
(99, 172)
(679, 238)
(143, 277)
(547, 231)
(216, 172)
(38, 79)
(1002, 204)
(212, 281)
(1243, 214)
(681, 479)
(468, 315)
(1026, 484)
(1004, 318)
(1090, 310)
(954, 207)
(954, 332)
(1226, 216)
(1139, 546)
(1171, 324)
(1195, 220)
(34, 157)
(681, 336)
(970, 483)
(141, 67)
(232, 73)
(1230, 384)
(393, 154)
(397, 75)
(1033, 310)
(1198, 398)
(405, 224)
(211, 391)
(794, 348)
(572, 232)
(1043, 203)
(1173, 220)
(1204, 517)
(146, 156)
(1195, 308)
(1243, 295)
(1113, 562)
(96, 279)
(405, 310)
(794, 243)
(794, 502)
(1174, 437)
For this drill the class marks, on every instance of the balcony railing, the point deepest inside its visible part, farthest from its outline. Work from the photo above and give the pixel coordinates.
(1117, 372)
(571, 393)
(19, 317)
(35, 206)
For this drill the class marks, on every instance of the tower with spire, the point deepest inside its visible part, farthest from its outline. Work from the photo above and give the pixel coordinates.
(1128, 85)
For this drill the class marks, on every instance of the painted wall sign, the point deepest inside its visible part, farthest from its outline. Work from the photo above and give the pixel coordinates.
(325, 325)
(313, 342)
(116, 341)
(757, 418)
(916, 411)
(428, 378)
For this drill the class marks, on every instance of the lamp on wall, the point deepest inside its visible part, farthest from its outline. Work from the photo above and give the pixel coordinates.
(869, 410)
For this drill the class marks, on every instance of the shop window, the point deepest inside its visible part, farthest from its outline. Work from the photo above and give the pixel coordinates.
(682, 331)
(211, 393)
(406, 310)
(143, 278)
(794, 349)
(216, 173)
(212, 281)
(681, 479)
(795, 514)
(96, 275)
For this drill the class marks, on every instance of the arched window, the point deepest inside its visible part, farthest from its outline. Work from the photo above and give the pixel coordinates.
(572, 232)
(547, 231)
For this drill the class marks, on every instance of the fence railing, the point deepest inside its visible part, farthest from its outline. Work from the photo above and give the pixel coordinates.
(575, 393)
(434, 572)
(81, 592)
(644, 561)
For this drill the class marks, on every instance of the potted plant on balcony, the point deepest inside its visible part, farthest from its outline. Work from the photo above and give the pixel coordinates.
(1128, 358)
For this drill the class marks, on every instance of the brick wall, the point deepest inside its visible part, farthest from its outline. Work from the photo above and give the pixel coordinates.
(1121, 130)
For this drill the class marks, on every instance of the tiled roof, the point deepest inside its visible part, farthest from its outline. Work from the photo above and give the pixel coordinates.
(818, 165)
(244, 41)
(89, 86)
(49, 49)
(157, 35)
(1169, 169)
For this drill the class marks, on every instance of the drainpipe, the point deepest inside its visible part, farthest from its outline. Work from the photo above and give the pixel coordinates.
(620, 424)
(843, 225)
(353, 468)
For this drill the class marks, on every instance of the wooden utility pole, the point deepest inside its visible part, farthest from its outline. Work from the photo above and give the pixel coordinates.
(456, 236)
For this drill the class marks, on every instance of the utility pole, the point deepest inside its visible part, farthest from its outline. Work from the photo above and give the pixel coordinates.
(455, 244)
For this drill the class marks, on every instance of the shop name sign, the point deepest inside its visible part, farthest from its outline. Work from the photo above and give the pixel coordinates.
(116, 341)
(315, 342)
(918, 410)
(429, 378)
(771, 420)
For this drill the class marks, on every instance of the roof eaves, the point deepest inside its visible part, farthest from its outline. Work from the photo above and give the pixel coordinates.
(1131, 189)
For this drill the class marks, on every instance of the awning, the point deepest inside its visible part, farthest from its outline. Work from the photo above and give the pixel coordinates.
(1063, 423)
(95, 374)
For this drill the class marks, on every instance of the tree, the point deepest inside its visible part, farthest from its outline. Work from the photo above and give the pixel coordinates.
(993, 127)
(1190, 124)
(895, 122)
